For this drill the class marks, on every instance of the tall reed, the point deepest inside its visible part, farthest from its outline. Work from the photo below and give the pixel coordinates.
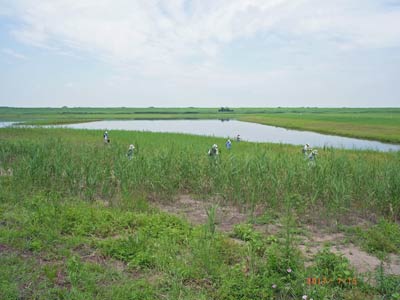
(77, 163)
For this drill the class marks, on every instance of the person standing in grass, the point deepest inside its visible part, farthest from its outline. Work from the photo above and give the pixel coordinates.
(238, 138)
(213, 151)
(228, 144)
(312, 157)
(130, 151)
(305, 149)
(105, 137)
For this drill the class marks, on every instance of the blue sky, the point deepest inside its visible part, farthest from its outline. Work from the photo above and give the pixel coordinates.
(200, 53)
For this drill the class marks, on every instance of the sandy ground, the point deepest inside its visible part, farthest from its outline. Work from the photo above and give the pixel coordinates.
(195, 211)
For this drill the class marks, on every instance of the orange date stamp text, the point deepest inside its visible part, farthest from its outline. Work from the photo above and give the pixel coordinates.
(325, 280)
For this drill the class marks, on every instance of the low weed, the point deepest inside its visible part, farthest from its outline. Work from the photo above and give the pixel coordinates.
(380, 239)
(387, 285)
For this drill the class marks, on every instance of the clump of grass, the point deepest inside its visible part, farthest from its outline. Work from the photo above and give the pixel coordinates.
(388, 285)
(246, 233)
(332, 266)
(381, 238)
(211, 219)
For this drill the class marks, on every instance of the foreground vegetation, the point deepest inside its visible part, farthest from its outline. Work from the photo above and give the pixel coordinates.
(78, 219)
(381, 124)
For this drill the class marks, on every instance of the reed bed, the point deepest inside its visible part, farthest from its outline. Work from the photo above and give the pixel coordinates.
(77, 163)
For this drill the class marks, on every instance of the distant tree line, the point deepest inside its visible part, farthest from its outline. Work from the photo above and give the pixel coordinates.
(225, 109)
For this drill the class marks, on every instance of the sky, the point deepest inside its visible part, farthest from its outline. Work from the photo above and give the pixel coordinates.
(203, 53)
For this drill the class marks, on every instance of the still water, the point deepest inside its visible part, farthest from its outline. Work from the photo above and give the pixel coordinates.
(251, 132)
(5, 124)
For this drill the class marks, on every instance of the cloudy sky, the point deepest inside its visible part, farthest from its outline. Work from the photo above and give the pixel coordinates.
(200, 53)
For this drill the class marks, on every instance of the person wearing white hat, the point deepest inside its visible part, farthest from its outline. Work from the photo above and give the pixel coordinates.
(313, 154)
(312, 157)
(105, 136)
(305, 149)
(130, 151)
(213, 151)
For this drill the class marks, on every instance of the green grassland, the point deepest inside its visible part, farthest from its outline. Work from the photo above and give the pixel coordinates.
(381, 124)
(374, 126)
(78, 220)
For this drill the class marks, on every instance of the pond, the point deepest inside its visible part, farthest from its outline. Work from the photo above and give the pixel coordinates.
(5, 124)
(251, 132)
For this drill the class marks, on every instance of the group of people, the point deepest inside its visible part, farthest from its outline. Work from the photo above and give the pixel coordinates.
(131, 148)
(213, 151)
(309, 153)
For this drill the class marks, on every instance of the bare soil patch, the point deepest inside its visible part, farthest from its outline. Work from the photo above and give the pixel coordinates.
(91, 255)
(4, 248)
(227, 216)
(362, 261)
(195, 211)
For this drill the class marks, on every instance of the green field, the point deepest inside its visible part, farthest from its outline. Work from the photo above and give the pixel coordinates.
(78, 220)
(381, 124)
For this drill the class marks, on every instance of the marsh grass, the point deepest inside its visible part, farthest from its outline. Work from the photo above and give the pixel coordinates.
(68, 191)
(76, 163)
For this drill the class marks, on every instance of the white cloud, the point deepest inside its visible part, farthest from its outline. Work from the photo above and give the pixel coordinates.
(352, 24)
(13, 53)
(70, 84)
(168, 31)
(180, 42)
